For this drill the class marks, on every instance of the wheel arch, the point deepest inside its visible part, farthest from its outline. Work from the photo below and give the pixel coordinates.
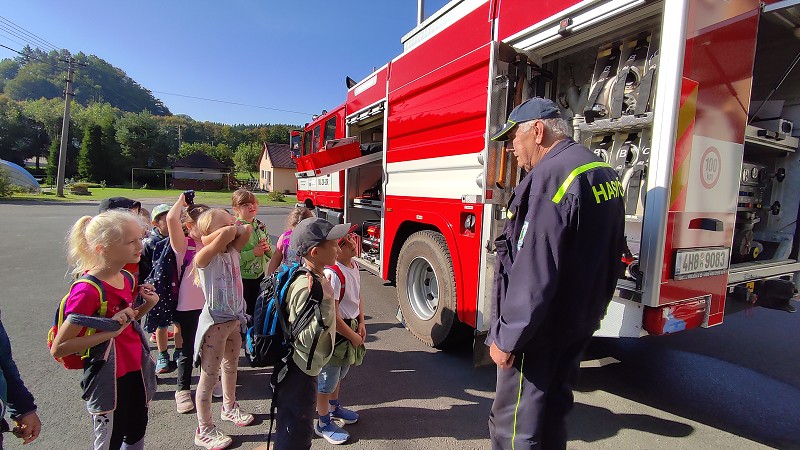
(441, 226)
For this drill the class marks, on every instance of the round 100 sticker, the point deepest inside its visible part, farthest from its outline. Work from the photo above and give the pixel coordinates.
(710, 167)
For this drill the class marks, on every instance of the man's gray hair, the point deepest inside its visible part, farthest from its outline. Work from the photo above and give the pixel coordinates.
(557, 128)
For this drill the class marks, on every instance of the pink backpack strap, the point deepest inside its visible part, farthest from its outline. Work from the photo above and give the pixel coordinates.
(191, 249)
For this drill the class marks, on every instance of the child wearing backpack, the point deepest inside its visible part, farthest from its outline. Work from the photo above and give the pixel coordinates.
(222, 322)
(283, 252)
(159, 318)
(190, 296)
(315, 240)
(349, 345)
(118, 378)
(256, 255)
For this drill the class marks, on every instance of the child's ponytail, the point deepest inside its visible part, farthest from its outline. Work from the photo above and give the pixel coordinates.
(79, 255)
(89, 232)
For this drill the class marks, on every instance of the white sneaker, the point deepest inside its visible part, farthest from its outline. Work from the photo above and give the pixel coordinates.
(183, 401)
(235, 415)
(217, 391)
(211, 439)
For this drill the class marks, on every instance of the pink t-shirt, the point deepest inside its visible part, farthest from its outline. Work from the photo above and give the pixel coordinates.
(190, 296)
(84, 299)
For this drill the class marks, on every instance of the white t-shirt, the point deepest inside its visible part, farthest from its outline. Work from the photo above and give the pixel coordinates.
(350, 304)
(190, 296)
(221, 280)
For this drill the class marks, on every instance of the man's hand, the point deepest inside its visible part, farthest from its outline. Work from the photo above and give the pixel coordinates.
(27, 428)
(502, 359)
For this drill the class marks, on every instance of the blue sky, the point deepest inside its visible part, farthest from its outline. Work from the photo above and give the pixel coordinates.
(290, 54)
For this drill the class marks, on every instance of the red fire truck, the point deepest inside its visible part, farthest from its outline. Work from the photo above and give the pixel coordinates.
(690, 100)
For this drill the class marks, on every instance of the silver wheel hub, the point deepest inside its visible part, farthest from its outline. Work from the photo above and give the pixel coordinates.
(422, 288)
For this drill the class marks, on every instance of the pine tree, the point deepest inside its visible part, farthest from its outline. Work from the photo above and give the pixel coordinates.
(89, 158)
(52, 162)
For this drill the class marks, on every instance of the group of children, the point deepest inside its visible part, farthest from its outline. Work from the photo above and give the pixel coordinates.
(220, 261)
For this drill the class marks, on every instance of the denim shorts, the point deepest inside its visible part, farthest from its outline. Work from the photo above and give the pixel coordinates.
(329, 378)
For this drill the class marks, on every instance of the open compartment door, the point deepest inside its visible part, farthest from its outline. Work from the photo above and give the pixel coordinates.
(337, 155)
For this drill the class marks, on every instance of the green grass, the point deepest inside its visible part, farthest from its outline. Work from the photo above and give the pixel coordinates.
(167, 196)
(246, 175)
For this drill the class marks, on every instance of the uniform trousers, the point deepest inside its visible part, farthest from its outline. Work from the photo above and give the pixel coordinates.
(534, 396)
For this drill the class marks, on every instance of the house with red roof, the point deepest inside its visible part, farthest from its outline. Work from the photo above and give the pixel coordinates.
(276, 169)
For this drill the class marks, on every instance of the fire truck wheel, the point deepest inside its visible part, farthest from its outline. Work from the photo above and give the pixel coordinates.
(426, 290)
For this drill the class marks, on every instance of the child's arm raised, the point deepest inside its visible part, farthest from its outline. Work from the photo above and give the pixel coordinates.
(177, 239)
(68, 342)
(219, 242)
(243, 233)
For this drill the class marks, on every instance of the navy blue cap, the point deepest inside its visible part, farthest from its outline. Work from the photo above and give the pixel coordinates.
(531, 109)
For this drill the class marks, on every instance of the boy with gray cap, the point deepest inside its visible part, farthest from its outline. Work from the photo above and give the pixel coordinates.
(315, 240)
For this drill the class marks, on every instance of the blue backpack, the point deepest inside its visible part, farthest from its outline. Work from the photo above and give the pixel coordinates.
(269, 340)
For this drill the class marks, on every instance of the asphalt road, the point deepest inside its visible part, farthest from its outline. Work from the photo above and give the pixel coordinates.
(733, 386)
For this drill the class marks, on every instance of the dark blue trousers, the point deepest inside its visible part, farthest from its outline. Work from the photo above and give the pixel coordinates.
(534, 396)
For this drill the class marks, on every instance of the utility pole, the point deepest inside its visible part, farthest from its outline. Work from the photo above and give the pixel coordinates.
(62, 153)
(179, 137)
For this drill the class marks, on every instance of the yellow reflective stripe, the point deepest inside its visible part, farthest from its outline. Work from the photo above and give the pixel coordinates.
(519, 399)
(574, 174)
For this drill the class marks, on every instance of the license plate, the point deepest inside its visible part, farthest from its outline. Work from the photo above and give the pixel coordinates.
(701, 262)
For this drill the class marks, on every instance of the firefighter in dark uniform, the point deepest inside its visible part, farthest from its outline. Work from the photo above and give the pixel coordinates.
(558, 260)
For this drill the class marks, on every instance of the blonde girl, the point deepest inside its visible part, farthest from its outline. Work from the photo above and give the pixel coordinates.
(283, 253)
(190, 296)
(256, 255)
(123, 380)
(221, 323)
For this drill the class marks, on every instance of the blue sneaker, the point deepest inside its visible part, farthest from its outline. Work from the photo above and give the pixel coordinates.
(331, 432)
(347, 416)
(163, 363)
(175, 355)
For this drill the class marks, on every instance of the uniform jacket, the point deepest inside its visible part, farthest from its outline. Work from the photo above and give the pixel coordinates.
(559, 254)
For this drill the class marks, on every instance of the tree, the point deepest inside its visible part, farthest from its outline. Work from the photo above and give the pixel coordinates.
(246, 158)
(90, 160)
(142, 140)
(52, 162)
(32, 81)
(221, 152)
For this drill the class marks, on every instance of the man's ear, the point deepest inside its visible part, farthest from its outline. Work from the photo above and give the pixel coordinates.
(538, 128)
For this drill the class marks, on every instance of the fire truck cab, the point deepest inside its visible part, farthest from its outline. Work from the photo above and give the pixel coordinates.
(691, 101)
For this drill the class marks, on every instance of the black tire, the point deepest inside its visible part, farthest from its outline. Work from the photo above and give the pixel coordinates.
(426, 290)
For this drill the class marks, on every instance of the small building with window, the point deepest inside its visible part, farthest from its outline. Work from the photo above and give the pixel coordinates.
(276, 169)
(200, 172)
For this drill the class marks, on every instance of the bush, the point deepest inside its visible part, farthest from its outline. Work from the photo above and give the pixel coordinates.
(276, 196)
(79, 189)
(6, 188)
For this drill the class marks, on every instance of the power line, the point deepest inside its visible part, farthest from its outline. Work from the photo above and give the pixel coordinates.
(234, 103)
(44, 42)
(12, 40)
(26, 56)
(27, 40)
